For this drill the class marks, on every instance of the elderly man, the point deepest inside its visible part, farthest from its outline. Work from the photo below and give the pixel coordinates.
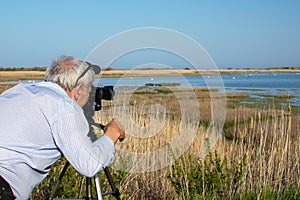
(41, 122)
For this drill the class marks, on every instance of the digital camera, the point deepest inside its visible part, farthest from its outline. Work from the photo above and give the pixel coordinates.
(106, 93)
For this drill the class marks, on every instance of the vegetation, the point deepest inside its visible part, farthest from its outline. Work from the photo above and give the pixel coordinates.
(16, 76)
(163, 84)
(211, 178)
(257, 158)
(4, 87)
(23, 69)
(73, 185)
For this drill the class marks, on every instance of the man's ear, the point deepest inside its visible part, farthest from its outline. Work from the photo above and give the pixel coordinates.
(75, 92)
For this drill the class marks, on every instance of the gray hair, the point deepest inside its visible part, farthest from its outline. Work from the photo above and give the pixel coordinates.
(65, 70)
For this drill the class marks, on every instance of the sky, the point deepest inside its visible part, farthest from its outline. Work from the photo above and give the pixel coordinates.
(234, 33)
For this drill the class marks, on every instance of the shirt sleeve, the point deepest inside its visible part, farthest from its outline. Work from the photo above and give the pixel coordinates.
(70, 129)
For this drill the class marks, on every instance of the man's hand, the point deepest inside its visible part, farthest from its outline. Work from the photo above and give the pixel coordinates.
(114, 131)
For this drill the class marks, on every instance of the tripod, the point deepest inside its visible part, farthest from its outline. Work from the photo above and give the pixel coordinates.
(89, 113)
(89, 196)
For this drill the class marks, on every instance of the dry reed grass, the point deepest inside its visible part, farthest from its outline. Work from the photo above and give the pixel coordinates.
(21, 75)
(4, 87)
(269, 138)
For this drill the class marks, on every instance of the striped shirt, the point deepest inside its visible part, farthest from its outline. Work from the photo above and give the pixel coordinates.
(38, 124)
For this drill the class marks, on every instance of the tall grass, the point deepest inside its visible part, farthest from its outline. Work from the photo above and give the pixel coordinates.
(271, 146)
(257, 158)
(267, 138)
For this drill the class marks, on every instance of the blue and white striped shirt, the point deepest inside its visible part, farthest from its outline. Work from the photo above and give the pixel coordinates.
(38, 124)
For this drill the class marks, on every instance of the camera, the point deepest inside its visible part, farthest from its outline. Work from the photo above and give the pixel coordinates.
(106, 93)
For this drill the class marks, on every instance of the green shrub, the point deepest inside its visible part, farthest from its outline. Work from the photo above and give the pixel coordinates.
(291, 193)
(207, 179)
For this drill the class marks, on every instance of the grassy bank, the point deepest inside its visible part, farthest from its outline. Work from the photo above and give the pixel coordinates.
(257, 157)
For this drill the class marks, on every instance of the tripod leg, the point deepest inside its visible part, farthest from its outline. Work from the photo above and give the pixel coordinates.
(98, 188)
(115, 190)
(89, 195)
(59, 180)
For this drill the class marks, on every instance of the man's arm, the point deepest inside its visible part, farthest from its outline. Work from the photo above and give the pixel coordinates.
(70, 130)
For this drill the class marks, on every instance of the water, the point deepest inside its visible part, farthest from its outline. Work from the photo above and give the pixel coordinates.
(257, 85)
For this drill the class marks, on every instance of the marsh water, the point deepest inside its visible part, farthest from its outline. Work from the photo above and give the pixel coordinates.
(260, 86)
(257, 85)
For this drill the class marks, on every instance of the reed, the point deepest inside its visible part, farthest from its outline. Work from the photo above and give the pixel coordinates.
(4, 87)
(258, 157)
(267, 138)
(270, 142)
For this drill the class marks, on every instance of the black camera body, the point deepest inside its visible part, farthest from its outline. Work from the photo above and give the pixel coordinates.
(106, 93)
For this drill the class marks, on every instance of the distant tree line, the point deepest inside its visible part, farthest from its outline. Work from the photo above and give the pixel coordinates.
(23, 69)
(291, 67)
(33, 69)
(269, 68)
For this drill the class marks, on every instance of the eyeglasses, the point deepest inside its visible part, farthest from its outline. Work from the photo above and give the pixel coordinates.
(83, 73)
(95, 68)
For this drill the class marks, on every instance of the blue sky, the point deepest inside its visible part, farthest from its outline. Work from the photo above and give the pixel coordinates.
(235, 33)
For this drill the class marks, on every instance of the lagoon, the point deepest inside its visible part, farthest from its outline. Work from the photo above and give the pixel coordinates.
(256, 84)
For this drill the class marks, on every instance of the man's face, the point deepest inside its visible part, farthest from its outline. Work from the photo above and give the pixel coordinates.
(84, 94)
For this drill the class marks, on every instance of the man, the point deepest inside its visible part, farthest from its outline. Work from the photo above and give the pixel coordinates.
(41, 122)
